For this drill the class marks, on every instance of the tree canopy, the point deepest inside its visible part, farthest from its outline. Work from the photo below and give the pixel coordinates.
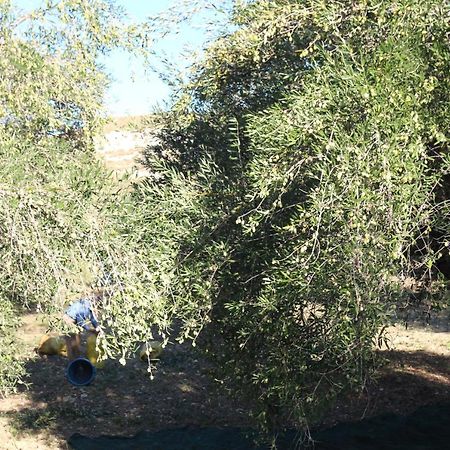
(304, 172)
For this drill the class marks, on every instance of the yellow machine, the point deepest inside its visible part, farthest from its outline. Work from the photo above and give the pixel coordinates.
(52, 345)
(56, 345)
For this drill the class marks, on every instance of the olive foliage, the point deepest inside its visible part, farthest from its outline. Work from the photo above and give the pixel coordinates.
(301, 175)
(66, 224)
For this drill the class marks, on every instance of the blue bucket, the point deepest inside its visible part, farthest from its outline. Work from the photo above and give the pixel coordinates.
(80, 372)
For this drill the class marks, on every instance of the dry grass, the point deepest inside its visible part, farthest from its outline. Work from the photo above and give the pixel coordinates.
(121, 146)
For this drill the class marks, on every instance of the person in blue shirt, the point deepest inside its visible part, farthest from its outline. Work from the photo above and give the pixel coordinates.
(81, 314)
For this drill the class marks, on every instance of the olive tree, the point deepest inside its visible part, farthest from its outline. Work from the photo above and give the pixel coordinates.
(302, 171)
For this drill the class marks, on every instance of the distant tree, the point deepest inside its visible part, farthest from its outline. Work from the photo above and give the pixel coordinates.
(298, 177)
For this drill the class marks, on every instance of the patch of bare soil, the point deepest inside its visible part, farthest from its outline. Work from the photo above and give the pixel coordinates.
(121, 150)
(415, 371)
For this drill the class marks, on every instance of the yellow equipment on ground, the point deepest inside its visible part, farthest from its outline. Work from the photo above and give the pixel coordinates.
(91, 351)
(52, 345)
(56, 345)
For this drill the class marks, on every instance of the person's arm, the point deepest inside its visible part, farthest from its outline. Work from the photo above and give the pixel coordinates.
(93, 320)
(69, 320)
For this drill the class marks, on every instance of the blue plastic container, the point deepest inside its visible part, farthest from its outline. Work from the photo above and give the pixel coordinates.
(80, 372)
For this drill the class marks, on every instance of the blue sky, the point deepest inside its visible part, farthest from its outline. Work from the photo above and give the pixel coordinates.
(134, 90)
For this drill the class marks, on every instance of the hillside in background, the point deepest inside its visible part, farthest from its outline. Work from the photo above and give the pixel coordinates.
(123, 141)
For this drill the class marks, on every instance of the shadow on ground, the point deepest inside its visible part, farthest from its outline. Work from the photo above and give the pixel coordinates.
(426, 429)
(123, 399)
(406, 408)
(182, 409)
(408, 380)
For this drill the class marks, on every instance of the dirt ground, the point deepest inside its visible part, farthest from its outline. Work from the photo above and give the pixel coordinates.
(415, 372)
(123, 400)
